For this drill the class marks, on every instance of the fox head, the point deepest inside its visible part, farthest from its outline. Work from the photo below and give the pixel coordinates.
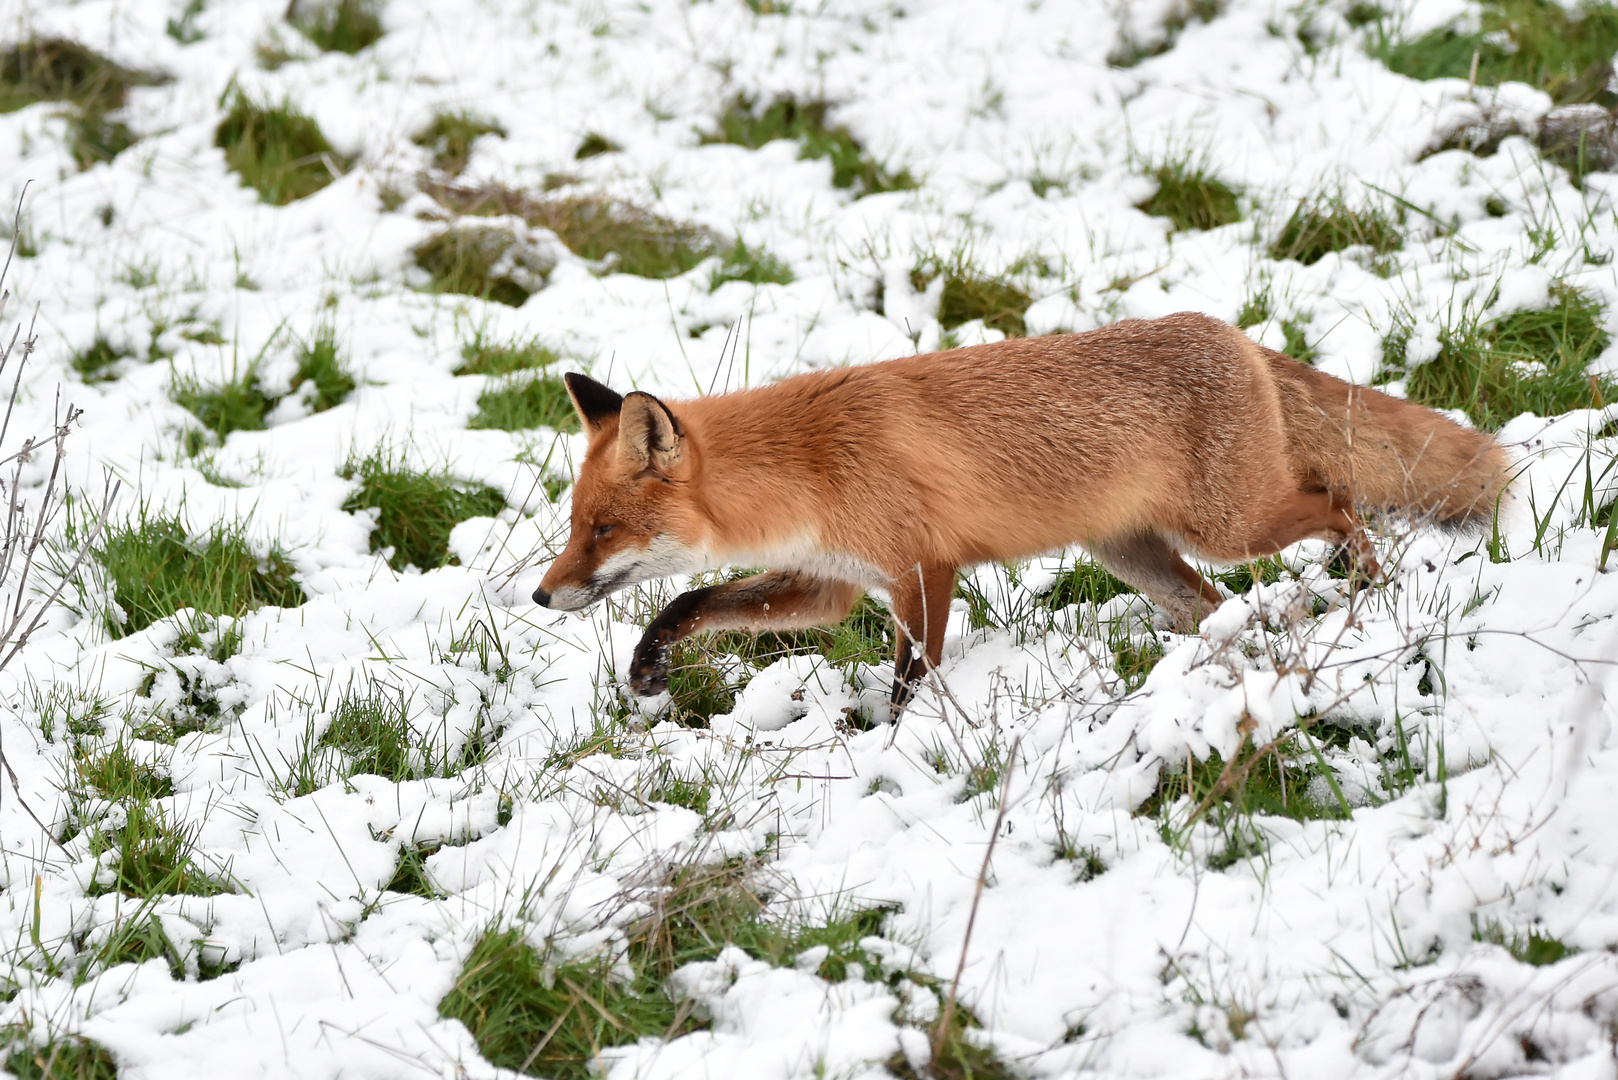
(633, 515)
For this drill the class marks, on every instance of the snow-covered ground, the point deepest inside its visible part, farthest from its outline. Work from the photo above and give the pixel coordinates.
(1347, 947)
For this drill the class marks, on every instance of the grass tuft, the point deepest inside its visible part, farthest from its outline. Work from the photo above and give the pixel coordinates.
(1530, 361)
(371, 728)
(754, 266)
(411, 875)
(1128, 52)
(117, 775)
(1087, 582)
(183, 27)
(594, 145)
(1191, 196)
(1565, 51)
(969, 295)
(344, 26)
(275, 149)
(321, 363)
(619, 236)
(1284, 779)
(238, 404)
(94, 88)
(69, 1057)
(416, 510)
(518, 404)
(153, 856)
(95, 364)
(450, 136)
(1324, 224)
(549, 1016)
(156, 570)
(55, 69)
(471, 260)
(1530, 948)
(483, 356)
(744, 123)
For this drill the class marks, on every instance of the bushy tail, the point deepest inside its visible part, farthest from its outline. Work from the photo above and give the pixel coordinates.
(1391, 455)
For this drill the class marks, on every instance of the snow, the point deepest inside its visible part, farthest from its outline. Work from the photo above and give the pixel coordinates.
(1350, 948)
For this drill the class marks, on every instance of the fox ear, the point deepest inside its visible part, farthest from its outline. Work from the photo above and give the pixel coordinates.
(593, 402)
(649, 437)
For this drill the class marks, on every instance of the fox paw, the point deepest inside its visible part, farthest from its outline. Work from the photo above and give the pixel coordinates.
(649, 671)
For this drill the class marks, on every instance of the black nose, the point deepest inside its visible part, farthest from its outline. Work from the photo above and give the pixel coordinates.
(542, 598)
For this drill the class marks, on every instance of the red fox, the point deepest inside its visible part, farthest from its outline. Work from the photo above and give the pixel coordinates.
(1139, 441)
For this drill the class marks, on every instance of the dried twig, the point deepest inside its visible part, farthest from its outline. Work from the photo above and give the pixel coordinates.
(948, 1012)
(26, 528)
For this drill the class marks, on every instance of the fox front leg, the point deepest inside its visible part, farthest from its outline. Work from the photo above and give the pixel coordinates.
(778, 600)
(921, 599)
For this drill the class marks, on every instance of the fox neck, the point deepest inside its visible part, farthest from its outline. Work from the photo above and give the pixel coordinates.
(766, 506)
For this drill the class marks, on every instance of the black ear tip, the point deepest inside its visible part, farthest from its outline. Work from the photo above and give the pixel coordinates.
(594, 401)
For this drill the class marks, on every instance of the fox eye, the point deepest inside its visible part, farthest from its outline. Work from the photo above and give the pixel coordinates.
(603, 530)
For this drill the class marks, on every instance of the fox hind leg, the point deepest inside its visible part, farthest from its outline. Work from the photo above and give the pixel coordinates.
(1148, 562)
(1323, 515)
(778, 600)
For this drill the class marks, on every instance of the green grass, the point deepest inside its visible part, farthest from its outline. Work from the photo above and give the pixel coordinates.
(1297, 344)
(64, 1057)
(744, 123)
(371, 729)
(1530, 948)
(78, 712)
(969, 294)
(1190, 195)
(1257, 308)
(115, 774)
(1288, 778)
(623, 238)
(321, 362)
(1087, 582)
(464, 259)
(55, 69)
(551, 1017)
(1128, 52)
(94, 138)
(1327, 223)
(1530, 361)
(238, 404)
(95, 363)
(1241, 578)
(1568, 54)
(416, 510)
(344, 26)
(483, 356)
(594, 145)
(154, 857)
(93, 87)
(518, 404)
(410, 875)
(137, 940)
(198, 705)
(156, 570)
(275, 149)
(754, 266)
(450, 136)
(183, 27)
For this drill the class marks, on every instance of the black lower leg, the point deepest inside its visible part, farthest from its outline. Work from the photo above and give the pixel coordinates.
(649, 671)
(909, 666)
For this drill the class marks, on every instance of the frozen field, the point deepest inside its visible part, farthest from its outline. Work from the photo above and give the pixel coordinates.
(305, 786)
